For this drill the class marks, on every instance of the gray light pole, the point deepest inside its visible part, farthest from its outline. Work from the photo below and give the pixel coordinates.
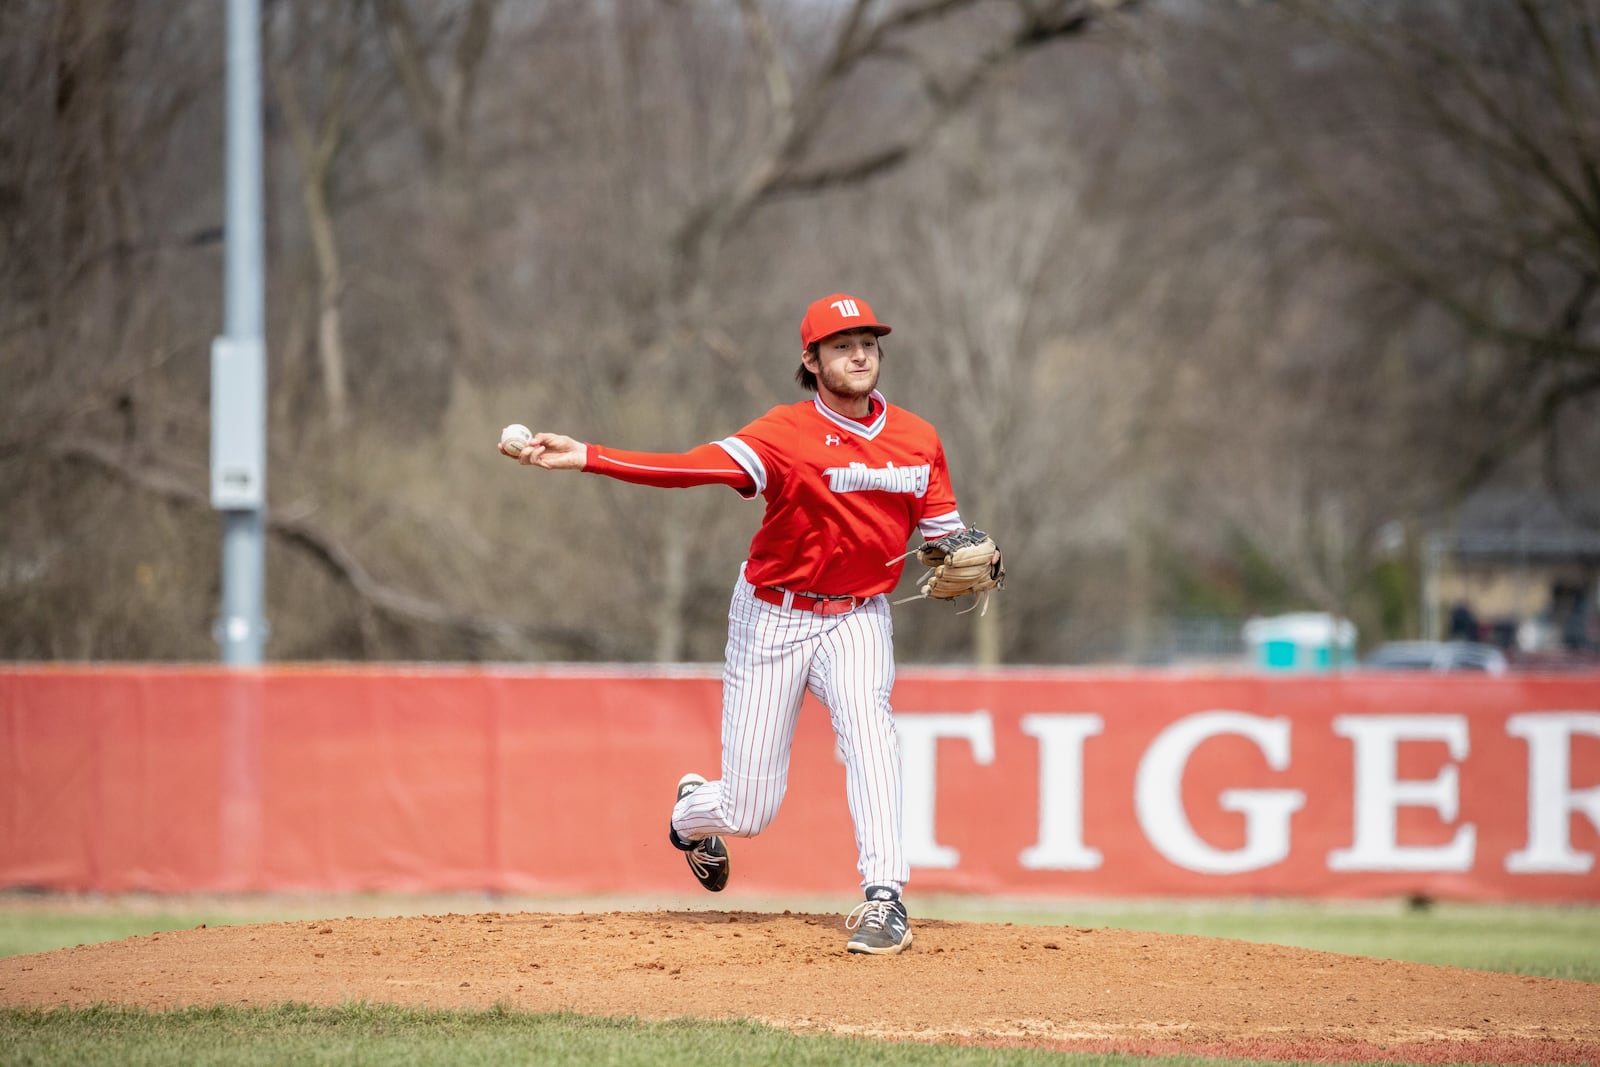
(239, 457)
(238, 357)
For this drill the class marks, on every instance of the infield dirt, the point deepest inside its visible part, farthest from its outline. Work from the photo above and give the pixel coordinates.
(1071, 988)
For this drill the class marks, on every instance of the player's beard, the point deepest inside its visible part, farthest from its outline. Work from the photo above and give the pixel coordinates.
(842, 383)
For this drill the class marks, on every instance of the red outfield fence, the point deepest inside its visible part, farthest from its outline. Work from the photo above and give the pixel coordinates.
(559, 780)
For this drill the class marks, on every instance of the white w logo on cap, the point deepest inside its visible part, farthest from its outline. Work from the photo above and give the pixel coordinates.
(846, 308)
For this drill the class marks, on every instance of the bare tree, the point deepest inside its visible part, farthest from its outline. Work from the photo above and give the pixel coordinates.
(317, 137)
(1462, 165)
(1336, 299)
(92, 334)
(992, 263)
(438, 56)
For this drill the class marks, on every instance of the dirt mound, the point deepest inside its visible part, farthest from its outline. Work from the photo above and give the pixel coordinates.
(981, 983)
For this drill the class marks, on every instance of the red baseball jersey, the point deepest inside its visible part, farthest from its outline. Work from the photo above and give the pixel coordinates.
(842, 496)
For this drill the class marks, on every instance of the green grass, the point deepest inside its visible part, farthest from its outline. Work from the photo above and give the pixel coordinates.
(360, 1034)
(28, 931)
(1562, 942)
(1544, 940)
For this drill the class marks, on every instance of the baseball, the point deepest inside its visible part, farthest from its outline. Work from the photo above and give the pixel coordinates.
(514, 438)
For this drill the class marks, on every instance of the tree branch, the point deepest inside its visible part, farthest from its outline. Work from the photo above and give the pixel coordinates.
(341, 564)
(798, 118)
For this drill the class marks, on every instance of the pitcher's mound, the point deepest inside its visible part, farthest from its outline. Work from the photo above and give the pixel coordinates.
(980, 983)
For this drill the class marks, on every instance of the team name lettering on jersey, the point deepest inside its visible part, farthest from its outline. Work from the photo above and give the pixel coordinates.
(858, 477)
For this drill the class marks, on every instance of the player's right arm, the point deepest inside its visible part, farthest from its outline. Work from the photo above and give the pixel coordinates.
(705, 465)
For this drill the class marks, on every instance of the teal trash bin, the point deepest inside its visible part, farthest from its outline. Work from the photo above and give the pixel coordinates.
(1305, 641)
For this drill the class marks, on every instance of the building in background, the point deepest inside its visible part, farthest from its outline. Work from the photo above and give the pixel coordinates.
(1520, 571)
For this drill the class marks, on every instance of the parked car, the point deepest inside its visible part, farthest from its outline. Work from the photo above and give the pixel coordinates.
(1555, 659)
(1436, 656)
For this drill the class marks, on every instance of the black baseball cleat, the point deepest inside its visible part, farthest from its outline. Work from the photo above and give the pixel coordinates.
(708, 857)
(880, 923)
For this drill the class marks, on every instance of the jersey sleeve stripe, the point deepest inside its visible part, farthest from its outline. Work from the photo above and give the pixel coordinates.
(748, 461)
(937, 526)
(615, 462)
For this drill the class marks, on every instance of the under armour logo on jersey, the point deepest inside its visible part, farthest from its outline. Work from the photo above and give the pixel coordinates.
(847, 308)
(832, 439)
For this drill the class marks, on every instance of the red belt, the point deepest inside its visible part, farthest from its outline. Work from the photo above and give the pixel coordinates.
(817, 605)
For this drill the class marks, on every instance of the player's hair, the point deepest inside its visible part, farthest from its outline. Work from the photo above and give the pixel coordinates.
(808, 380)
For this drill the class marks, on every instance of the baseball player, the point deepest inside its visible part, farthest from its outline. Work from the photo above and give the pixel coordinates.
(847, 477)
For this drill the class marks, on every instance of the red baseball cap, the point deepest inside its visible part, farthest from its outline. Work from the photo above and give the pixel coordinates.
(835, 314)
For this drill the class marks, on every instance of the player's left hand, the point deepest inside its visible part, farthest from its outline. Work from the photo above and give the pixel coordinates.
(964, 563)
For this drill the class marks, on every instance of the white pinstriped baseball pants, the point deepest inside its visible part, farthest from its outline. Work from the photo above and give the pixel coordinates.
(774, 656)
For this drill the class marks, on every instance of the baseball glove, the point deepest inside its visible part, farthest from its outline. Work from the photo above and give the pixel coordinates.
(960, 564)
